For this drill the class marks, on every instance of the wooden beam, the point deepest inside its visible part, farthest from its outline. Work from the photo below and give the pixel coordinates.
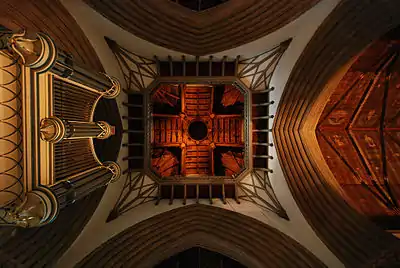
(171, 198)
(158, 195)
(210, 60)
(223, 194)
(223, 65)
(210, 193)
(197, 65)
(184, 194)
(184, 65)
(171, 66)
(197, 193)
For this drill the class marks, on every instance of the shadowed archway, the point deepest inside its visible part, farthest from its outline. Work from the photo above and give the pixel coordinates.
(238, 237)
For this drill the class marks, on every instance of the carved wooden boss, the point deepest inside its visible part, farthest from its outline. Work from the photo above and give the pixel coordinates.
(47, 157)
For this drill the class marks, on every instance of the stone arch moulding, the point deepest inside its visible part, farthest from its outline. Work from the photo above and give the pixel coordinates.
(350, 236)
(226, 26)
(159, 237)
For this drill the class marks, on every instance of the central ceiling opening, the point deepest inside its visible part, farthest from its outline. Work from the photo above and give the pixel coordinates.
(198, 130)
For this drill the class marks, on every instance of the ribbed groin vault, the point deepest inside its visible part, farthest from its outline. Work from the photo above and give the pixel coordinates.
(253, 190)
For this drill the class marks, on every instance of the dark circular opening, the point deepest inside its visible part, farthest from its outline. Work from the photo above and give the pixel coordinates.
(198, 130)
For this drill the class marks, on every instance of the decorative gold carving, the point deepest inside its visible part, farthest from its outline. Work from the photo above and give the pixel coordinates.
(108, 130)
(115, 169)
(52, 129)
(11, 153)
(28, 49)
(115, 89)
(38, 208)
(35, 53)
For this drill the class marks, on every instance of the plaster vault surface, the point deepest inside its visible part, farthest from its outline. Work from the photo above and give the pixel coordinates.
(97, 231)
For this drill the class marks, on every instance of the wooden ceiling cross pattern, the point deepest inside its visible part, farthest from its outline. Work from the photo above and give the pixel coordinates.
(196, 111)
(250, 74)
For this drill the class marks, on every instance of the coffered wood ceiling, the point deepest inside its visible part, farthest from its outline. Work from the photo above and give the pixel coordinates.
(347, 30)
(225, 26)
(359, 129)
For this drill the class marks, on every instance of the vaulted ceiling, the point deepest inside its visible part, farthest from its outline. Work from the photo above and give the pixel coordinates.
(344, 33)
(228, 25)
(358, 131)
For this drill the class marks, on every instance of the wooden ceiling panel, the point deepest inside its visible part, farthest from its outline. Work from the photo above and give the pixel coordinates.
(347, 31)
(361, 127)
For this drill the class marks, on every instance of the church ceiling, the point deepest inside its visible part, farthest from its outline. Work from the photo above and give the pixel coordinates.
(229, 233)
(197, 130)
(359, 131)
(354, 239)
(189, 126)
(176, 26)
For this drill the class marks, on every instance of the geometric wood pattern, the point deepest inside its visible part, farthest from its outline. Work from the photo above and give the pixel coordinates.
(255, 72)
(340, 37)
(359, 130)
(191, 125)
(257, 189)
(138, 71)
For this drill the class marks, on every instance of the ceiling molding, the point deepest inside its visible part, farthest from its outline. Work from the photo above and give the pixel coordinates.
(350, 236)
(239, 237)
(226, 26)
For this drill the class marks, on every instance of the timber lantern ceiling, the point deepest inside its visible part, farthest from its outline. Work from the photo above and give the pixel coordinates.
(197, 131)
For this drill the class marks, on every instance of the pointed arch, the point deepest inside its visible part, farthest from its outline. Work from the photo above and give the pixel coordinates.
(239, 237)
